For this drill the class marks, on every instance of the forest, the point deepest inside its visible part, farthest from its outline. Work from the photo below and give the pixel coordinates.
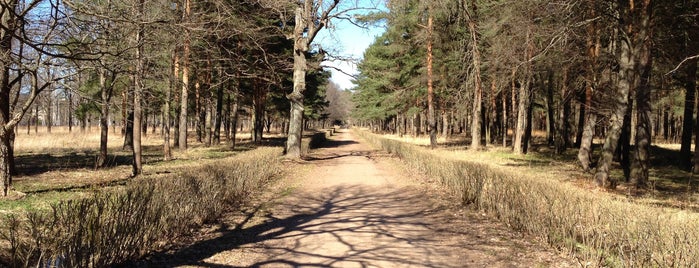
(140, 133)
(619, 73)
(214, 67)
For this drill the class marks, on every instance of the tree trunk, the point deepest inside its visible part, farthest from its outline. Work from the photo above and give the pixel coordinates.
(293, 142)
(505, 119)
(550, 108)
(167, 150)
(128, 129)
(185, 81)
(623, 150)
(641, 160)
(5, 162)
(636, 24)
(563, 128)
(49, 112)
(219, 115)
(70, 110)
(522, 118)
(514, 107)
(234, 120)
(208, 130)
(416, 125)
(105, 93)
(36, 118)
(199, 113)
(137, 96)
(688, 120)
(477, 105)
(227, 117)
(431, 120)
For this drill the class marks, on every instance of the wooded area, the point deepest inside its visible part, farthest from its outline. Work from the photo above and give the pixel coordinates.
(215, 67)
(623, 72)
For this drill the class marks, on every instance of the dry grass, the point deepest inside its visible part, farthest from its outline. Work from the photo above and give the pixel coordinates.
(669, 186)
(600, 228)
(117, 224)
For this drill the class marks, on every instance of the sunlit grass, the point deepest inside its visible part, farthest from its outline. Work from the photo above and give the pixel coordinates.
(600, 228)
(107, 225)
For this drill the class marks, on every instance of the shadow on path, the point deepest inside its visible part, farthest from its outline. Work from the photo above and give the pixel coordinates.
(341, 218)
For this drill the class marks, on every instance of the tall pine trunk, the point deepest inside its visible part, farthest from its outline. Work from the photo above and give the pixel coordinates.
(218, 115)
(137, 96)
(563, 128)
(106, 95)
(550, 108)
(523, 111)
(690, 85)
(477, 105)
(523, 125)
(182, 135)
(641, 159)
(431, 117)
(635, 25)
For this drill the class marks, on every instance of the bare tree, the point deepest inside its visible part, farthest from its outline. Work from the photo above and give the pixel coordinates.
(36, 37)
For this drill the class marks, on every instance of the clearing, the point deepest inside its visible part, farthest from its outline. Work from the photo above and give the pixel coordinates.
(348, 205)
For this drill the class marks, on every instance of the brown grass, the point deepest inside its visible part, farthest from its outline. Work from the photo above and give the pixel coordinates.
(599, 228)
(121, 223)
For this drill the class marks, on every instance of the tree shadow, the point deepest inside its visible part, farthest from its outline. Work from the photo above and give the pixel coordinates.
(332, 230)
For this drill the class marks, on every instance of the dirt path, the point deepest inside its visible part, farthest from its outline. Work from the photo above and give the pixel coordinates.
(353, 208)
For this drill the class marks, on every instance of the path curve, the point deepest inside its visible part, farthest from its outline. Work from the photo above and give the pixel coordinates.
(352, 207)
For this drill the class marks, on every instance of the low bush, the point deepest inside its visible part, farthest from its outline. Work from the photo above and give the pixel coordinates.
(597, 228)
(118, 225)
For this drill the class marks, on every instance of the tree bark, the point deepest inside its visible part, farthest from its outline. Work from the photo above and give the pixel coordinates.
(477, 105)
(505, 119)
(431, 120)
(688, 117)
(636, 26)
(105, 95)
(137, 96)
(234, 119)
(167, 150)
(623, 150)
(49, 112)
(219, 115)
(293, 142)
(520, 146)
(128, 128)
(584, 138)
(550, 108)
(309, 20)
(563, 128)
(185, 81)
(199, 114)
(641, 160)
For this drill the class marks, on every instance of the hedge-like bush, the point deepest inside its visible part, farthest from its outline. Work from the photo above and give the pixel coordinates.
(600, 229)
(123, 224)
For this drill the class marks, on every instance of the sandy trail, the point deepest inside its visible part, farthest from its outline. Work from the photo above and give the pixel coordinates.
(353, 208)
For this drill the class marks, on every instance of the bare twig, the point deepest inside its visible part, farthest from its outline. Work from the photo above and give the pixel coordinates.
(681, 63)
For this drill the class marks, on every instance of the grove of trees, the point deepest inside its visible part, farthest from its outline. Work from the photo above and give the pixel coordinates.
(179, 64)
(621, 71)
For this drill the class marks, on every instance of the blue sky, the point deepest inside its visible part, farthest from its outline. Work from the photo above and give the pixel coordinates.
(348, 41)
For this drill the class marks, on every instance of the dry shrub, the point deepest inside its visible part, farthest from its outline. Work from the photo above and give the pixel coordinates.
(601, 230)
(119, 225)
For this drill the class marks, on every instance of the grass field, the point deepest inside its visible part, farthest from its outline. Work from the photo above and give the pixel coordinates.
(669, 185)
(62, 206)
(60, 165)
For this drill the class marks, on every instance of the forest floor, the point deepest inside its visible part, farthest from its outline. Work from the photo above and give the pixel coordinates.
(59, 165)
(669, 185)
(348, 205)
